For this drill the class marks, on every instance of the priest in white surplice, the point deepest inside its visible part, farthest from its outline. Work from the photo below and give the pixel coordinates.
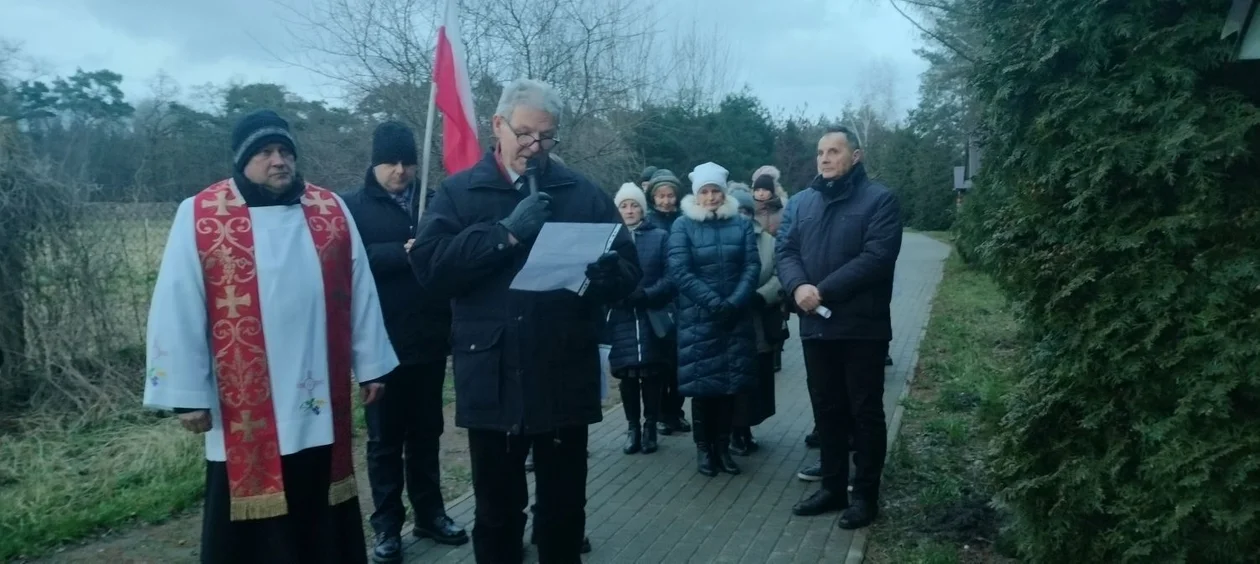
(264, 314)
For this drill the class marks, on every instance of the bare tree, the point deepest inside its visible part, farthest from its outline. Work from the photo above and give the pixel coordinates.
(380, 51)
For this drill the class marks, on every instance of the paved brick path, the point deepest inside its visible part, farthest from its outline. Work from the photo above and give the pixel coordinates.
(656, 508)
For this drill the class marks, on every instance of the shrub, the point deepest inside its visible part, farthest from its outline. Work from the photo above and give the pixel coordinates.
(1127, 229)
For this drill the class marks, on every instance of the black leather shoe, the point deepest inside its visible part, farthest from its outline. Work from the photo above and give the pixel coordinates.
(649, 438)
(442, 530)
(681, 425)
(664, 427)
(634, 439)
(823, 501)
(738, 446)
(811, 440)
(387, 549)
(860, 514)
(704, 460)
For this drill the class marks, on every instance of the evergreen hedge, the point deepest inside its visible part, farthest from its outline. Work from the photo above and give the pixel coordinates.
(1125, 223)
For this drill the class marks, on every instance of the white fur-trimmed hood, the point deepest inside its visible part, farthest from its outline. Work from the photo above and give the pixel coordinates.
(692, 209)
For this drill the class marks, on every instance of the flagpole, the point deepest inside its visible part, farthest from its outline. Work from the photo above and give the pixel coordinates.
(425, 158)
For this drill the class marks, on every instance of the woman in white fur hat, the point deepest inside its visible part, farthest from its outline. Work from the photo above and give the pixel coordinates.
(713, 260)
(639, 352)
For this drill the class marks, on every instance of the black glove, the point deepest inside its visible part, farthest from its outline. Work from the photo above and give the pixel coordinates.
(724, 312)
(529, 216)
(758, 302)
(636, 298)
(603, 274)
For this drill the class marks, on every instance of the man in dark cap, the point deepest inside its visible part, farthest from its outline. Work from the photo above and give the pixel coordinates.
(409, 421)
(263, 313)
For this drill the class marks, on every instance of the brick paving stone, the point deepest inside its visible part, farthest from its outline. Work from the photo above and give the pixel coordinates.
(656, 509)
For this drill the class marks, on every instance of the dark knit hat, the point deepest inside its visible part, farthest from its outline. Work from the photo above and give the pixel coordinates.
(647, 173)
(257, 130)
(393, 142)
(664, 176)
(764, 182)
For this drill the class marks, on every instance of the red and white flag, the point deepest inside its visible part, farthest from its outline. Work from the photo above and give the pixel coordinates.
(453, 98)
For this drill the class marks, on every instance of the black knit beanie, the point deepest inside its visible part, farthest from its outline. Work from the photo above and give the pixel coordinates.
(257, 130)
(764, 182)
(393, 142)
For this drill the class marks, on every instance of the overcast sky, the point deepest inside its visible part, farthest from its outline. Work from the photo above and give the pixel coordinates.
(792, 53)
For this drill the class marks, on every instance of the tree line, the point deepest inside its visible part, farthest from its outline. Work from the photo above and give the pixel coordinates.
(78, 157)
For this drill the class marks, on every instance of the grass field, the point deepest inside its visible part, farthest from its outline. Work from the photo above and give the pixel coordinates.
(936, 505)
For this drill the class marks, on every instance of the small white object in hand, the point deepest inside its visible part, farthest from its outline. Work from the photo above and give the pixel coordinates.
(823, 311)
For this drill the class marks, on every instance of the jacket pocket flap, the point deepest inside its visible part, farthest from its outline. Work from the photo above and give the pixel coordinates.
(476, 338)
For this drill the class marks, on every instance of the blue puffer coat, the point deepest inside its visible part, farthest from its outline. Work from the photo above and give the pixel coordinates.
(628, 329)
(713, 259)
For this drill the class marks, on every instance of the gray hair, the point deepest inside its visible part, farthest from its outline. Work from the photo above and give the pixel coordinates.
(734, 186)
(849, 135)
(529, 93)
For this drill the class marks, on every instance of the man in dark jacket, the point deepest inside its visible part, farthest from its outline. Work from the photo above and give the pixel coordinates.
(527, 367)
(837, 263)
(418, 322)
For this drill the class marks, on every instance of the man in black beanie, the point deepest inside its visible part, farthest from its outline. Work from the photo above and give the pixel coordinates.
(262, 143)
(409, 422)
(262, 315)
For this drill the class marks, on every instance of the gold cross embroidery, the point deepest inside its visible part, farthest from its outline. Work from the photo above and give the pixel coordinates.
(232, 301)
(247, 425)
(223, 199)
(318, 200)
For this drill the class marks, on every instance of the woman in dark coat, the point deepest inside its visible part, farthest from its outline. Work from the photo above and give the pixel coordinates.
(639, 356)
(713, 262)
(753, 407)
(663, 191)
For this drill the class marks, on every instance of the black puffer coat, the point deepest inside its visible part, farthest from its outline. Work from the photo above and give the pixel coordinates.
(713, 259)
(629, 329)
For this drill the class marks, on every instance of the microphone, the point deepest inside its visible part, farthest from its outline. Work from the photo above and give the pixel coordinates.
(533, 167)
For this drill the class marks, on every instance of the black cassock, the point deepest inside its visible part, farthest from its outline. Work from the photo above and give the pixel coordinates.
(311, 532)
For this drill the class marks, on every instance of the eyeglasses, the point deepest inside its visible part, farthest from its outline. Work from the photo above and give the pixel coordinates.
(545, 142)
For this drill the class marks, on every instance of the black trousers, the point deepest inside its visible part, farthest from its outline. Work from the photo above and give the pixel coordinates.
(501, 494)
(711, 418)
(404, 431)
(846, 389)
(312, 532)
(641, 385)
(671, 400)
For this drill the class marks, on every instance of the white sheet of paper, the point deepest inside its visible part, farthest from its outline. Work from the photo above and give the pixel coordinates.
(560, 255)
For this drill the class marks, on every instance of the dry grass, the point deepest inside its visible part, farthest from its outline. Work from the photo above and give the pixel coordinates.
(59, 482)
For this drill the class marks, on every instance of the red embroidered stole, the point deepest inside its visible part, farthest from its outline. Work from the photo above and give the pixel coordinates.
(225, 244)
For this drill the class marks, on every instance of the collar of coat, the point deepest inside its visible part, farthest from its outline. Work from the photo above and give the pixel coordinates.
(691, 209)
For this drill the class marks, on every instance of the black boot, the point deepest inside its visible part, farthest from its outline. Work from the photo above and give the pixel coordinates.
(664, 427)
(634, 439)
(750, 442)
(649, 437)
(739, 447)
(811, 440)
(722, 454)
(681, 425)
(704, 459)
